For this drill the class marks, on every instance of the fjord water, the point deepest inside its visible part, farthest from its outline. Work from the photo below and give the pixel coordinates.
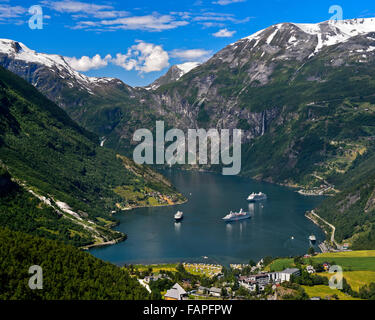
(202, 236)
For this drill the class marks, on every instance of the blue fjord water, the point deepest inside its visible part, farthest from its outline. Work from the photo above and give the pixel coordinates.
(154, 237)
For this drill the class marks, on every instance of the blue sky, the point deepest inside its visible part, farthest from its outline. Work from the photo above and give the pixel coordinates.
(137, 41)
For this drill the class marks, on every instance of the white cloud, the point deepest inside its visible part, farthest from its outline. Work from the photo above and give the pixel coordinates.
(224, 33)
(154, 22)
(110, 19)
(10, 12)
(219, 18)
(86, 63)
(226, 2)
(84, 9)
(212, 24)
(104, 17)
(191, 54)
(143, 57)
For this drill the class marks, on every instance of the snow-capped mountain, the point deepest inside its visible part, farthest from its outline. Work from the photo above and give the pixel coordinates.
(325, 34)
(174, 73)
(247, 83)
(25, 62)
(53, 76)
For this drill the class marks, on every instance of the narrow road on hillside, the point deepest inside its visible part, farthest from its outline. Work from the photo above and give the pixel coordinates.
(330, 225)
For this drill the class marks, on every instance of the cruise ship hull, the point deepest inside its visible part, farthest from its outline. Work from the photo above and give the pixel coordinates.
(256, 200)
(237, 218)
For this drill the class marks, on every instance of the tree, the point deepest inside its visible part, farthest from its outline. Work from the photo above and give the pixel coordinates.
(180, 268)
(224, 292)
(298, 261)
(252, 263)
(267, 260)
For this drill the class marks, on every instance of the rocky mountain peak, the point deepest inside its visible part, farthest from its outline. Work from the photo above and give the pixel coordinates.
(325, 33)
(173, 74)
(13, 54)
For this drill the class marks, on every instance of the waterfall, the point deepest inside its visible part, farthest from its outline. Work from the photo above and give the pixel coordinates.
(263, 122)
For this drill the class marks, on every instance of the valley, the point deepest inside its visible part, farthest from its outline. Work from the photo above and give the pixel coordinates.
(306, 106)
(303, 96)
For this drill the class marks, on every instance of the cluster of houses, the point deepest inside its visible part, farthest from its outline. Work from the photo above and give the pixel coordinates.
(253, 283)
(178, 293)
(154, 277)
(261, 280)
(213, 291)
(210, 270)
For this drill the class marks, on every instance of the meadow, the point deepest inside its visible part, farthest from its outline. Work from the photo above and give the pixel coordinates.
(325, 292)
(280, 264)
(156, 268)
(356, 279)
(349, 261)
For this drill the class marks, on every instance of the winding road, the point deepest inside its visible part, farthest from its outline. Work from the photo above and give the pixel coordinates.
(330, 225)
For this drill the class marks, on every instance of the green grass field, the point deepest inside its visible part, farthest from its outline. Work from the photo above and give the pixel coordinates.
(356, 279)
(358, 266)
(349, 254)
(325, 292)
(349, 261)
(280, 264)
(157, 267)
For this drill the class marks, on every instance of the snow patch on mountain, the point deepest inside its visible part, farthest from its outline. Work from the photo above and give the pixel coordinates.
(328, 32)
(333, 32)
(186, 67)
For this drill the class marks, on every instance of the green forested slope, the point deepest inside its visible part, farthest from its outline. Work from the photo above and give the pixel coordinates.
(352, 211)
(68, 273)
(20, 210)
(46, 152)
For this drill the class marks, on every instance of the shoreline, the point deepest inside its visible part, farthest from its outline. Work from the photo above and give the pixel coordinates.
(104, 244)
(322, 192)
(324, 246)
(124, 236)
(159, 206)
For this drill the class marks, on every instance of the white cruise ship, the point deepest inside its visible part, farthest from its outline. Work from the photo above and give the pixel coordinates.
(179, 215)
(257, 197)
(235, 216)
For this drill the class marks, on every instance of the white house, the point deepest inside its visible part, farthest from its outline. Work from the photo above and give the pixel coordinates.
(247, 284)
(287, 274)
(283, 276)
(310, 269)
(216, 292)
(261, 278)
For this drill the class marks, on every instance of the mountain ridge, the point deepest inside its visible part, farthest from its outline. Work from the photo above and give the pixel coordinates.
(56, 181)
(302, 94)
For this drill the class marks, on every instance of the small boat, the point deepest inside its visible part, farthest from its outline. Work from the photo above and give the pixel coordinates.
(312, 239)
(257, 197)
(292, 238)
(178, 216)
